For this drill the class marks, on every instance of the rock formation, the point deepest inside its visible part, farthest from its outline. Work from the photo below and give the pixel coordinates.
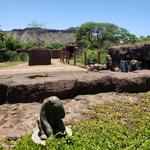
(139, 52)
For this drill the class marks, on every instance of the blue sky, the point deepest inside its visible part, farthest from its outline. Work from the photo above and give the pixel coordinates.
(61, 14)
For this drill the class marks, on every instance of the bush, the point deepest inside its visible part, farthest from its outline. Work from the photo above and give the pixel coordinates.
(92, 56)
(23, 56)
(12, 43)
(56, 45)
(10, 55)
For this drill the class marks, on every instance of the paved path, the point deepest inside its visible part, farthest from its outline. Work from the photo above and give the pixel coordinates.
(25, 69)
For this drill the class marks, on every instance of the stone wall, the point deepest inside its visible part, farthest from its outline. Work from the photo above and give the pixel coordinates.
(39, 56)
(140, 52)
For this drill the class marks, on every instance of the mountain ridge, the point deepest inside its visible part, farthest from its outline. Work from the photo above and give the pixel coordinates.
(47, 35)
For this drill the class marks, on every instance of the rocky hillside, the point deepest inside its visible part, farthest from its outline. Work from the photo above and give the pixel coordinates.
(47, 35)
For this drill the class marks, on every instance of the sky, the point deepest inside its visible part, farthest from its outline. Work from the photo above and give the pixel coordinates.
(133, 15)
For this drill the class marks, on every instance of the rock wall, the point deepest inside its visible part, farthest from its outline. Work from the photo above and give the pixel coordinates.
(140, 52)
(24, 89)
(39, 56)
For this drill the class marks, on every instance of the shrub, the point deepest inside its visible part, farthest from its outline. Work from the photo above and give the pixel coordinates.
(23, 56)
(92, 56)
(9, 56)
(56, 45)
(12, 43)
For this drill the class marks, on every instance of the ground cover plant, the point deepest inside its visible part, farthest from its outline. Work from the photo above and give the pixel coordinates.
(115, 126)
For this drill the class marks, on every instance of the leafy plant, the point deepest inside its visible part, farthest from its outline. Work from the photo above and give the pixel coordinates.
(56, 45)
(23, 56)
(92, 56)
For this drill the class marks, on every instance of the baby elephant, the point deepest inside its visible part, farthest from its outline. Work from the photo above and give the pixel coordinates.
(51, 115)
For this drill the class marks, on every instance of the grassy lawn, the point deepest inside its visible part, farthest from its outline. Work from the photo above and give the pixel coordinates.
(112, 126)
(9, 64)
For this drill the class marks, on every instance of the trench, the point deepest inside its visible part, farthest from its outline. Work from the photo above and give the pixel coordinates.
(37, 88)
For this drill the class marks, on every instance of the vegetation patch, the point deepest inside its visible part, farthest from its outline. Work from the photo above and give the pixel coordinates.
(117, 125)
(9, 64)
(92, 56)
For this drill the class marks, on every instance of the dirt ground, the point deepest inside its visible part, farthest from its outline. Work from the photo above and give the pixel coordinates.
(23, 68)
(19, 119)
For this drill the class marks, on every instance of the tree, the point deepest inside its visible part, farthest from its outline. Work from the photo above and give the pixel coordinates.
(12, 43)
(35, 24)
(2, 39)
(33, 44)
(56, 45)
(144, 38)
(100, 35)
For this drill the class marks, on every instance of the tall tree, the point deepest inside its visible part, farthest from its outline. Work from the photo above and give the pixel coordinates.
(99, 35)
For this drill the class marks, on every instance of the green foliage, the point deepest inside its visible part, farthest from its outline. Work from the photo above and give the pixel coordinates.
(92, 56)
(23, 56)
(102, 35)
(56, 45)
(144, 38)
(33, 44)
(118, 125)
(10, 55)
(133, 39)
(2, 39)
(12, 43)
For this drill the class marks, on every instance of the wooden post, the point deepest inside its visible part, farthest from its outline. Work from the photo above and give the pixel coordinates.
(98, 58)
(66, 55)
(74, 58)
(85, 59)
(63, 55)
(68, 61)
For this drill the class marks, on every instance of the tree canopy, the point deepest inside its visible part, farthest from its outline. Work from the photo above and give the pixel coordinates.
(2, 39)
(101, 35)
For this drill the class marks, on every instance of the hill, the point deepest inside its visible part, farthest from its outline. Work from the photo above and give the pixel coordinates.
(47, 35)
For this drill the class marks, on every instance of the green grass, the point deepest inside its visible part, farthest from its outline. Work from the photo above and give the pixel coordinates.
(9, 64)
(112, 126)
